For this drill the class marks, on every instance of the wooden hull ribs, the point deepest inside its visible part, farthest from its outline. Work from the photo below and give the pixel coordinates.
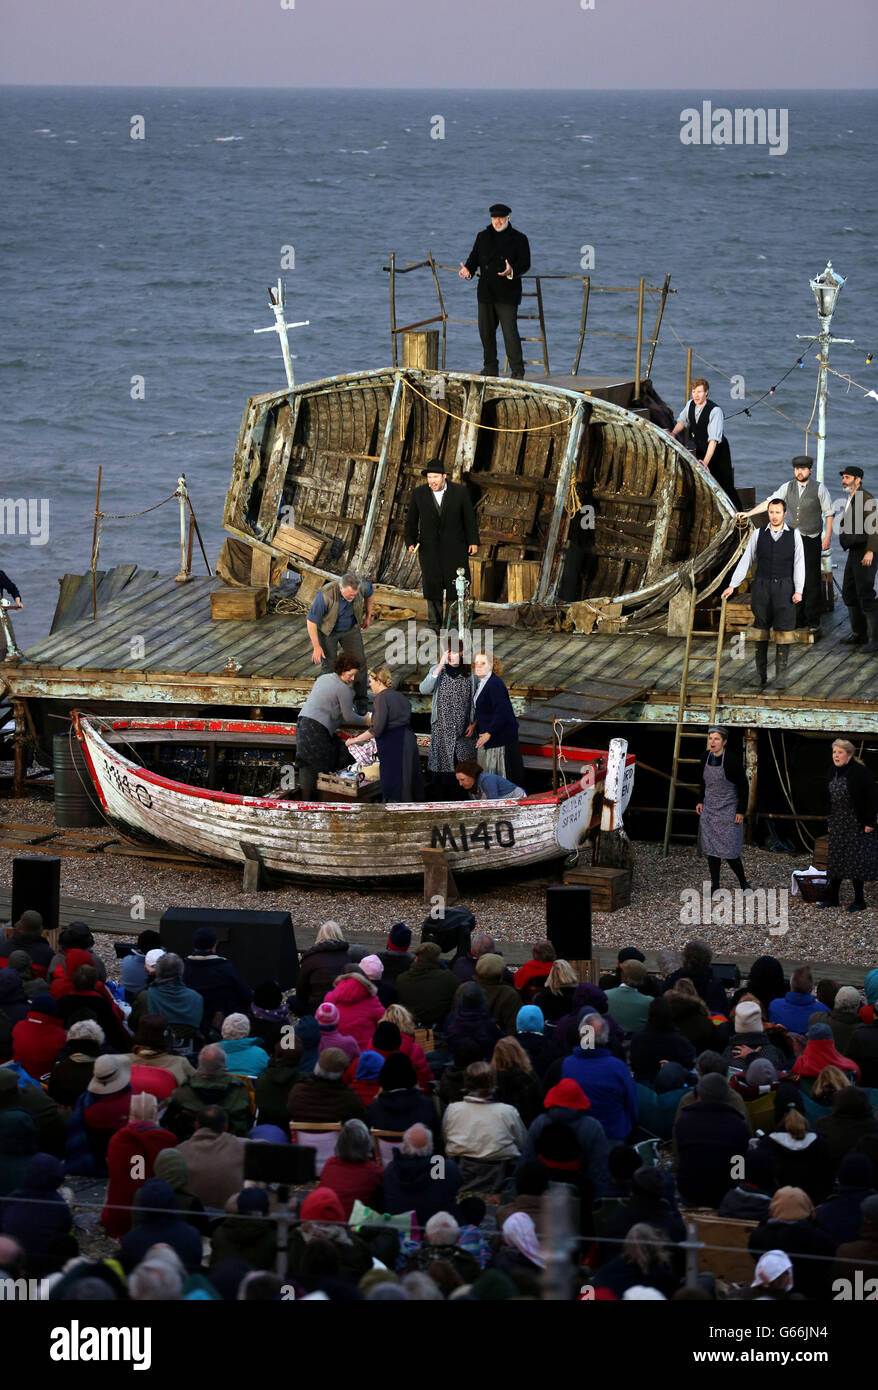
(583, 505)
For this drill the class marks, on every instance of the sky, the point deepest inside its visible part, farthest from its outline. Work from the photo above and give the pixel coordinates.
(475, 44)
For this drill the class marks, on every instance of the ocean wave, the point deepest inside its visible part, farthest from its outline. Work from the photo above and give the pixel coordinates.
(226, 139)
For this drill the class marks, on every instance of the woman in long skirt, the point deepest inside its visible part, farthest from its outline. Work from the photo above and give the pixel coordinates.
(721, 808)
(399, 761)
(452, 687)
(853, 826)
(496, 723)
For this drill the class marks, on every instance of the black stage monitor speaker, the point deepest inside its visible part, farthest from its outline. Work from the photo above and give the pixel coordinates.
(727, 973)
(568, 920)
(36, 887)
(261, 944)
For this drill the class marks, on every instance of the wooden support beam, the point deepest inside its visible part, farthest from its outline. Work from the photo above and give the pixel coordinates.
(254, 869)
(438, 879)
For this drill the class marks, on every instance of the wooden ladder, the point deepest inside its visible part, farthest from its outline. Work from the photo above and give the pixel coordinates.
(685, 686)
(540, 317)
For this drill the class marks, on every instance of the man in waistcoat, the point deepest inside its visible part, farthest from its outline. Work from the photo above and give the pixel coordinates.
(777, 587)
(858, 533)
(704, 420)
(340, 613)
(441, 521)
(501, 255)
(809, 511)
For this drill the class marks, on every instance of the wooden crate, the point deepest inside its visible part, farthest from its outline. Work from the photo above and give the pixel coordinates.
(238, 604)
(482, 573)
(739, 615)
(522, 577)
(420, 348)
(299, 541)
(610, 888)
(820, 857)
(332, 788)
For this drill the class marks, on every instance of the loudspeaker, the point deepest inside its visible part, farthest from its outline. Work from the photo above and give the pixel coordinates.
(36, 887)
(261, 944)
(568, 920)
(727, 973)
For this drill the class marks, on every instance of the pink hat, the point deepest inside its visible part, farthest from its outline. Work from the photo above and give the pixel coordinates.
(372, 967)
(327, 1016)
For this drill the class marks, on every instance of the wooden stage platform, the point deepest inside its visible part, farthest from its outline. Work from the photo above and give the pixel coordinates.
(155, 644)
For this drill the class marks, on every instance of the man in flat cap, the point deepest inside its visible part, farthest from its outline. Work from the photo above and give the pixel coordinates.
(501, 255)
(858, 533)
(442, 521)
(809, 511)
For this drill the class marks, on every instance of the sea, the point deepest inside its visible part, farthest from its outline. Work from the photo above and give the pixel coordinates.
(141, 229)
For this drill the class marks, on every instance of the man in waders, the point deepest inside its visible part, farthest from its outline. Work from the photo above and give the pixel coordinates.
(704, 420)
(809, 511)
(777, 587)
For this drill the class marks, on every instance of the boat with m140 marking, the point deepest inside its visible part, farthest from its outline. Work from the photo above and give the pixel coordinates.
(330, 841)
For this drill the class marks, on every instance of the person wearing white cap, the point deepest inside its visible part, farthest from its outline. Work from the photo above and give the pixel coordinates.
(773, 1276)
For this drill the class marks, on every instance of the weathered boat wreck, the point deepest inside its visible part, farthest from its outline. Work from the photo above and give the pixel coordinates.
(585, 508)
(328, 841)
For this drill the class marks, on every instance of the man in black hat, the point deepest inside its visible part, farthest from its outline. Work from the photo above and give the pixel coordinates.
(857, 533)
(809, 511)
(501, 255)
(442, 521)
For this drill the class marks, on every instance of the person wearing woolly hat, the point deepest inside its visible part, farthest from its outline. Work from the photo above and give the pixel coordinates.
(371, 966)
(790, 1228)
(321, 1218)
(843, 1018)
(363, 1073)
(133, 971)
(323, 1097)
(820, 1051)
(750, 1040)
(749, 1199)
(14, 1003)
(269, 1014)
(31, 983)
(709, 1136)
(529, 1034)
(327, 1017)
(397, 958)
(246, 1234)
(76, 936)
(73, 1068)
(27, 935)
(245, 1055)
(157, 1222)
(38, 1037)
(171, 1166)
(359, 1009)
(427, 989)
(471, 1020)
(503, 1000)
(400, 1103)
(353, 1172)
(38, 1217)
(18, 1134)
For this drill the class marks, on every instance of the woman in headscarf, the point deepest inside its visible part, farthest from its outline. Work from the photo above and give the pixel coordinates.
(452, 686)
(722, 807)
(521, 1257)
(791, 1227)
(399, 762)
(853, 818)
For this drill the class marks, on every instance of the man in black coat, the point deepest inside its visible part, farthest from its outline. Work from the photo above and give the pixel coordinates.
(857, 533)
(215, 978)
(501, 255)
(442, 521)
(709, 1134)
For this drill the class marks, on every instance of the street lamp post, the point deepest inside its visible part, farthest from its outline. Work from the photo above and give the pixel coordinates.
(825, 289)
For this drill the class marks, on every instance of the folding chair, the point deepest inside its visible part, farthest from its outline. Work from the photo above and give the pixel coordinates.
(384, 1142)
(320, 1137)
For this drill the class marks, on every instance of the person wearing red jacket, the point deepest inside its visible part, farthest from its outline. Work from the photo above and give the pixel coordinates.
(531, 976)
(39, 1037)
(131, 1157)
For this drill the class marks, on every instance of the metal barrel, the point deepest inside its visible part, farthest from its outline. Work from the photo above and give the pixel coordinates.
(76, 801)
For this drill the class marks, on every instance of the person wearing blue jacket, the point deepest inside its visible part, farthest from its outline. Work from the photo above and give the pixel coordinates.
(798, 1004)
(486, 786)
(605, 1080)
(245, 1056)
(496, 722)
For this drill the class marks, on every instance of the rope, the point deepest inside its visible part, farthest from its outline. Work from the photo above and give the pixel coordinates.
(866, 390)
(714, 368)
(495, 429)
(787, 795)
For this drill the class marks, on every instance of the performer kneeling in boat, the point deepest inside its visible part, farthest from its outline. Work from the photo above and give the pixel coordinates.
(330, 704)
(778, 586)
(495, 720)
(486, 786)
(399, 762)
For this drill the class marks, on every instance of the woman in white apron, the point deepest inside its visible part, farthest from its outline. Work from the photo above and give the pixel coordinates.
(721, 808)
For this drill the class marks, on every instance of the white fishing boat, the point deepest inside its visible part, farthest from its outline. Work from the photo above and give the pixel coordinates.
(331, 841)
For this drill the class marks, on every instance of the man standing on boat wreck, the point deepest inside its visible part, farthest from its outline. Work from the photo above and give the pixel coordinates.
(441, 521)
(777, 587)
(501, 255)
(706, 425)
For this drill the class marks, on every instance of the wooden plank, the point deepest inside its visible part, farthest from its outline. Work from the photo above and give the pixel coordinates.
(68, 587)
(117, 580)
(76, 640)
(81, 603)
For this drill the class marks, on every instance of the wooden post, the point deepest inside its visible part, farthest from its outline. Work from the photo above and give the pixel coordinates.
(260, 568)
(393, 342)
(94, 541)
(19, 741)
(688, 390)
(751, 744)
(254, 869)
(639, 352)
(420, 349)
(587, 970)
(586, 290)
(658, 324)
(438, 878)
